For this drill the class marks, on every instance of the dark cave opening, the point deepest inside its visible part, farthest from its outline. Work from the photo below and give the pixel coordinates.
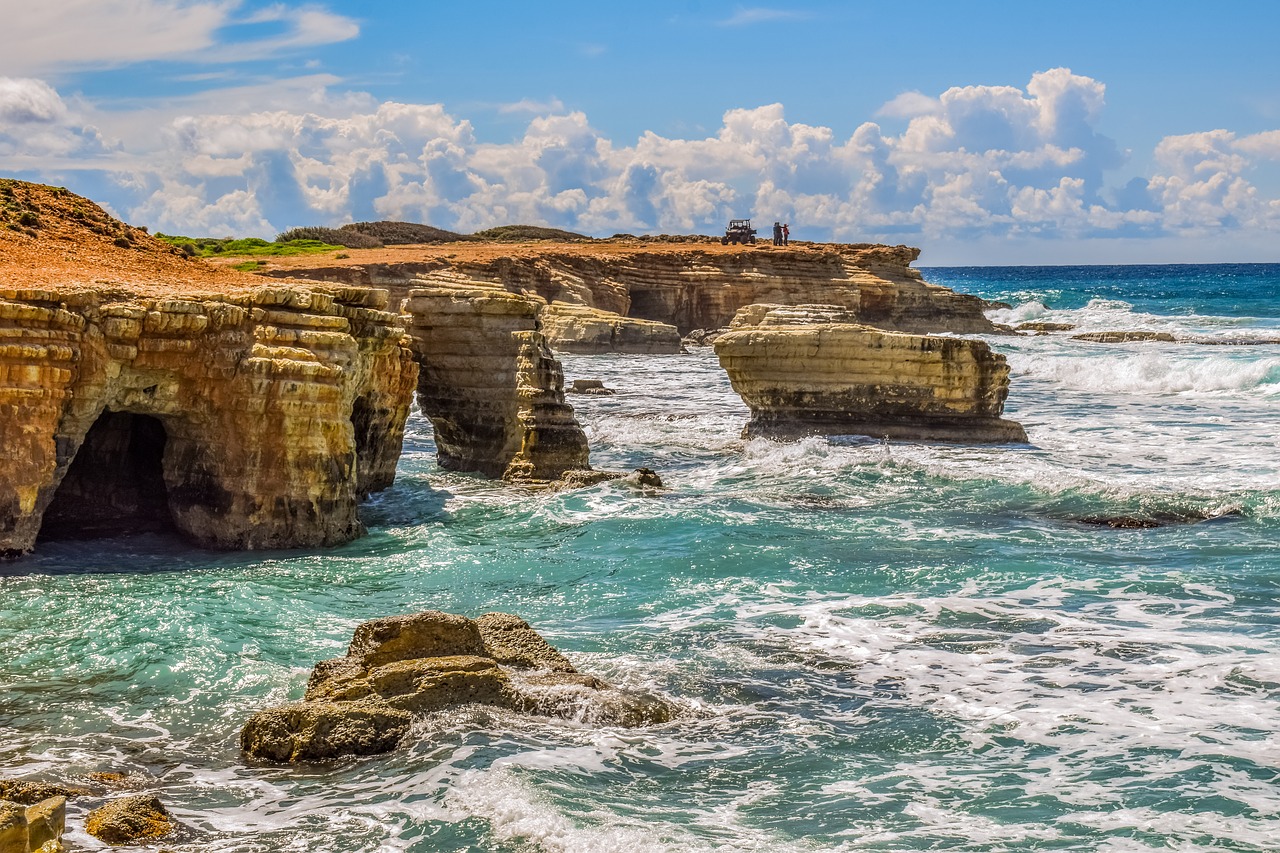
(115, 484)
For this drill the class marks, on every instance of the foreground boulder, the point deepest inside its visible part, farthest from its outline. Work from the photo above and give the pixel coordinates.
(807, 370)
(129, 820)
(363, 704)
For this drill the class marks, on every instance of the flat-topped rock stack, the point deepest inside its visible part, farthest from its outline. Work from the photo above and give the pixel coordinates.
(809, 370)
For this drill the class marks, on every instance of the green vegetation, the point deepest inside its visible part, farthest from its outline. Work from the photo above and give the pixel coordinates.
(208, 247)
(403, 233)
(517, 233)
(334, 236)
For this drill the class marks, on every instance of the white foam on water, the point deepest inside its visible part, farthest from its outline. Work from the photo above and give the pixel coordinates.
(516, 810)
(1167, 370)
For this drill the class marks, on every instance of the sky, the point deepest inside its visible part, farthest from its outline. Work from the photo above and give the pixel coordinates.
(1033, 132)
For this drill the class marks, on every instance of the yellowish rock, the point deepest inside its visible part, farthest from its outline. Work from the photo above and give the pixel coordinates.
(801, 374)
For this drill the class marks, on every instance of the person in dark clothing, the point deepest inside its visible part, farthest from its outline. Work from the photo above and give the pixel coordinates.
(777, 233)
(786, 234)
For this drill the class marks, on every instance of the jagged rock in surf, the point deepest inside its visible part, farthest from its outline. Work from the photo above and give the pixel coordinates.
(1044, 327)
(363, 703)
(805, 370)
(129, 820)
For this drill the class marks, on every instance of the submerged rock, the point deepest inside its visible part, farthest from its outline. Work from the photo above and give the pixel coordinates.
(129, 820)
(364, 703)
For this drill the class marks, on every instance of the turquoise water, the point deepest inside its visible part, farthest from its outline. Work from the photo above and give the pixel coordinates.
(876, 647)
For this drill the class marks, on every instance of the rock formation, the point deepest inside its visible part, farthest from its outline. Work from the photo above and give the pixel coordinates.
(143, 391)
(808, 370)
(363, 704)
(34, 828)
(686, 285)
(129, 820)
(490, 384)
(1124, 337)
(590, 331)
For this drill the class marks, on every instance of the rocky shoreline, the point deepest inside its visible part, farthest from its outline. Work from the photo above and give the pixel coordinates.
(143, 390)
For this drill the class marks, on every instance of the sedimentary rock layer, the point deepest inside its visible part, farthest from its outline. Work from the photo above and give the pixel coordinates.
(802, 374)
(686, 285)
(254, 419)
(490, 384)
(590, 331)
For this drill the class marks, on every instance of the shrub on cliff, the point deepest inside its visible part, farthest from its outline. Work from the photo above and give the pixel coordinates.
(206, 247)
(517, 233)
(331, 236)
(403, 233)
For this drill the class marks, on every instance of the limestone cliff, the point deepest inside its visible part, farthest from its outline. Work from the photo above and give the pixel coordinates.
(490, 384)
(807, 370)
(686, 285)
(143, 391)
(589, 331)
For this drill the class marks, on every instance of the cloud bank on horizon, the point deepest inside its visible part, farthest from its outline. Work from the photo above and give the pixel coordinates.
(973, 162)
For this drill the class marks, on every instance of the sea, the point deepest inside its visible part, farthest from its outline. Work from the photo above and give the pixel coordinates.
(1072, 644)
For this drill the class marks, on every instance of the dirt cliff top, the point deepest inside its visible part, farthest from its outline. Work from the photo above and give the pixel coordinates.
(619, 249)
(52, 239)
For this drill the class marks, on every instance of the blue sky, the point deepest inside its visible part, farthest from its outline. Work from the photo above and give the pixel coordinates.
(996, 132)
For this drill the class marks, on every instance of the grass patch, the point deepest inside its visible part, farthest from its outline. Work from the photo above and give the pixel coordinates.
(212, 247)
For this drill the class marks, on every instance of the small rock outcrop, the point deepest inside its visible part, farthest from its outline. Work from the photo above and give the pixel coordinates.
(490, 385)
(584, 330)
(589, 386)
(1125, 337)
(129, 820)
(806, 370)
(364, 703)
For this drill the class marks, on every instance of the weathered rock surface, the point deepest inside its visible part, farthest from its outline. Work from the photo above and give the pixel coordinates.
(30, 793)
(1123, 337)
(130, 819)
(589, 386)
(490, 384)
(363, 703)
(253, 420)
(584, 330)
(320, 731)
(686, 285)
(805, 370)
(140, 391)
(1043, 327)
(46, 821)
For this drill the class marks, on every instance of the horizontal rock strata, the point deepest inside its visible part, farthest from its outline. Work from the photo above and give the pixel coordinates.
(143, 391)
(686, 285)
(364, 703)
(806, 370)
(590, 331)
(490, 385)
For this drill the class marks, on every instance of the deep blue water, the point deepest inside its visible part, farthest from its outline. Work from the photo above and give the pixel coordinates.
(876, 647)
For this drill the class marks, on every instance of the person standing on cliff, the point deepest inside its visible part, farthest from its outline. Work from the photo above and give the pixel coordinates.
(786, 234)
(777, 233)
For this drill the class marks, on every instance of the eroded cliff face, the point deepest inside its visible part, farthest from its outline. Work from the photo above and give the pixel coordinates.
(807, 370)
(142, 391)
(490, 385)
(686, 285)
(253, 420)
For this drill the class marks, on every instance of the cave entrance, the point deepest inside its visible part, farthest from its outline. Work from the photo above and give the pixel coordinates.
(115, 484)
(651, 305)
